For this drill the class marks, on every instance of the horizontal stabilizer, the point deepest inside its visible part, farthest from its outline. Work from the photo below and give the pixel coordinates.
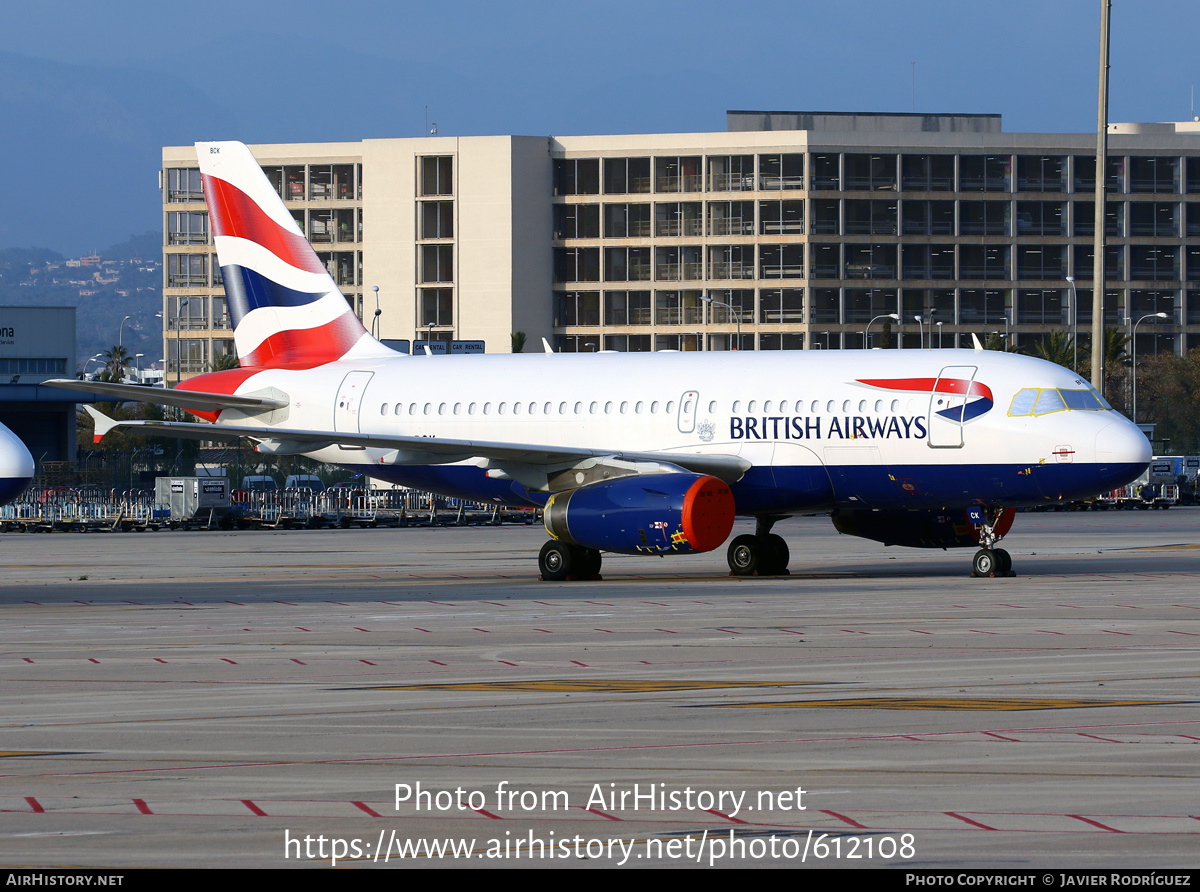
(185, 399)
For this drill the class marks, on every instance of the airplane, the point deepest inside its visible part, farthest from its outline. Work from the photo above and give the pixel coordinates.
(639, 453)
(16, 466)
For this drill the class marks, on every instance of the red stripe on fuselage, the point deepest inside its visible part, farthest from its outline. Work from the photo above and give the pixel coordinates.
(234, 213)
(927, 385)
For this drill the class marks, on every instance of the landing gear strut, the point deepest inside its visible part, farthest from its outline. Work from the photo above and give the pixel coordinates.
(560, 560)
(763, 554)
(989, 560)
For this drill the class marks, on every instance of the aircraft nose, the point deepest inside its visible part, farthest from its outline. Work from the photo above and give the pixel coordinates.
(1122, 443)
(16, 466)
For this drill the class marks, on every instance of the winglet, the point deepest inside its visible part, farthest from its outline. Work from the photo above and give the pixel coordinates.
(546, 346)
(975, 341)
(103, 423)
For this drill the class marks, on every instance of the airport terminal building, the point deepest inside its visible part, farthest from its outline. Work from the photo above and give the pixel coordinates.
(790, 230)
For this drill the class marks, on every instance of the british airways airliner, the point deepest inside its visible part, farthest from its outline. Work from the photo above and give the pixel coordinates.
(640, 453)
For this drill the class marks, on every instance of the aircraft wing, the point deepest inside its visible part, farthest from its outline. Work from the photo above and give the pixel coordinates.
(184, 399)
(424, 450)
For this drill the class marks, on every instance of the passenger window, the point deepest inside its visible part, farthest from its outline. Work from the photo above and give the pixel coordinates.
(562, 408)
(592, 408)
(471, 409)
(670, 407)
(516, 408)
(579, 408)
(383, 409)
(712, 407)
(624, 407)
(428, 408)
(487, 408)
(458, 408)
(638, 408)
(654, 408)
(737, 406)
(608, 408)
(502, 408)
(412, 408)
(442, 409)
(750, 407)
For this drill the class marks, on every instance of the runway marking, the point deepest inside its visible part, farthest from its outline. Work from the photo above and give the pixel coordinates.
(1095, 823)
(850, 821)
(969, 821)
(597, 811)
(719, 814)
(35, 805)
(944, 703)
(366, 808)
(254, 808)
(142, 806)
(598, 686)
(488, 814)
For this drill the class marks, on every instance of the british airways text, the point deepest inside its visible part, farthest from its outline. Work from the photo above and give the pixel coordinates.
(847, 427)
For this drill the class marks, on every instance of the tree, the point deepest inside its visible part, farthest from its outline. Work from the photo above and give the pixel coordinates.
(518, 342)
(116, 363)
(226, 361)
(885, 335)
(997, 341)
(1059, 348)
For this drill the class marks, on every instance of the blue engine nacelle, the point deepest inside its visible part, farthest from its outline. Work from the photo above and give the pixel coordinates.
(948, 528)
(646, 514)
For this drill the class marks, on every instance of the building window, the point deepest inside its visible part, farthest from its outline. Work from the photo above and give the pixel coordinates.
(870, 261)
(678, 263)
(984, 217)
(437, 219)
(731, 262)
(576, 221)
(437, 263)
(826, 305)
(980, 305)
(1157, 218)
(627, 308)
(777, 172)
(577, 308)
(340, 264)
(1041, 173)
(1153, 262)
(437, 307)
(437, 175)
(731, 218)
(1085, 218)
(331, 182)
(864, 304)
(985, 173)
(1040, 306)
(928, 262)
(627, 343)
(678, 308)
(577, 264)
(678, 174)
(1114, 262)
(577, 176)
(1041, 218)
(626, 176)
(730, 173)
(1154, 174)
(187, 228)
(927, 173)
(781, 261)
(927, 217)
(826, 173)
(678, 218)
(627, 221)
(184, 184)
(781, 305)
(827, 216)
(738, 306)
(865, 217)
(825, 261)
(626, 264)
(1041, 261)
(870, 172)
(187, 270)
(781, 217)
(984, 262)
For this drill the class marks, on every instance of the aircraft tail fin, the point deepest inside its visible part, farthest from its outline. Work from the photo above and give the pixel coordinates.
(285, 307)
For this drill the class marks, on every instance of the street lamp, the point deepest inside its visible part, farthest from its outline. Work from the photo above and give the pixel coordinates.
(121, 335)
(1074, 335)
(866, 337)
(939, 335)
(375, 323)
(178, 346)
(708, 299)
(921, 326)
(1134, 340)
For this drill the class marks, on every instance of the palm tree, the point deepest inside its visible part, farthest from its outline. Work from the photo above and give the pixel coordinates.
(1058, 347)
(518, 341)
(226, 361)
(116, 363)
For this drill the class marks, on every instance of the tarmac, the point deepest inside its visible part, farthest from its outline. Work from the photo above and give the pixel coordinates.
(292, 699)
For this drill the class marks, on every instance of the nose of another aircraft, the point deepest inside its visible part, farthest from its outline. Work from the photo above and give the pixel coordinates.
(16, 465)
(1122, 443)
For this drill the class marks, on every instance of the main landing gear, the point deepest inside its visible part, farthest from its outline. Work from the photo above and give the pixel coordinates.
(991, 561)
(763, 554)
(559, 561)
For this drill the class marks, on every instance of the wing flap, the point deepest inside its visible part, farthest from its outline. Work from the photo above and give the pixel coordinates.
(184, 399)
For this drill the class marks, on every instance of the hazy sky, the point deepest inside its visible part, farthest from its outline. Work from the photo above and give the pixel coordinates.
(147, 73)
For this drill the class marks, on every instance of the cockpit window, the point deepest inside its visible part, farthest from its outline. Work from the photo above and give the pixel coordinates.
(1044, 400)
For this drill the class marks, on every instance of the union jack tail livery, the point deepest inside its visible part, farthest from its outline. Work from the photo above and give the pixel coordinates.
(286, 309)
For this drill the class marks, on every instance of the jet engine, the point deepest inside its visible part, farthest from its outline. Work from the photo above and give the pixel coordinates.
(644, 514)
(946, 528)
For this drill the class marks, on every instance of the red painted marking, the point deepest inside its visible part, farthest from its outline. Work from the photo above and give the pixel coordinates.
(721, 814)
(1098, 737)
(919, 632)
(247, 630)
(602, 814)
(302, 629)
(1111, 632)
(368, 662)
(1188, 737)
(419, 629)
(142, 806)
(497, 603)
(791, 631)
(597, 603)
(547, 631)
(27, 660)
(1013, 606)
(301, 662)
(488, 814)
(668, 631)
(159, 660)
(35, 805)
(849, 821)
(235, 603)
(359, 629)
(366, 808)
(733, 631)
(254, 808)
(481, 630)
(37, 603)
(437, 663)
(93, 660)
(981, 632)
(506, 662)
(1048, 632)
(543, 603)
(229, 661)
(969, 821)
(1129, 606)
(1095, 823)
(577, 663)
(654, 603)
(609, 631)
(338, 603)
(442, 603)
(855, 632)
(1001, 737)
(287, 603)
(1071, 606)
(1174, 632)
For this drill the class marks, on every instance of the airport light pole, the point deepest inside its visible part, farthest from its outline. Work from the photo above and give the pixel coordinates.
(895, 317)
(121, 334)
(1074, 333)
(1134, 340)
(921, 327)
(375, 323)
(939, 335)
(737, 316)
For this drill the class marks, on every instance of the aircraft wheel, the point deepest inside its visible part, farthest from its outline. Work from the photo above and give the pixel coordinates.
(1003, 562)
(775, 555)
(745, 555)
(984, 563)
(586, 562)
(554, 561)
